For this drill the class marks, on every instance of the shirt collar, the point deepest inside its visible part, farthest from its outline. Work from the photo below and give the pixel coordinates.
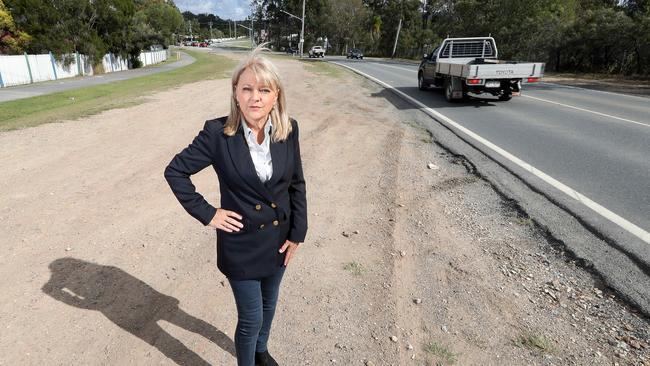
(267, 127)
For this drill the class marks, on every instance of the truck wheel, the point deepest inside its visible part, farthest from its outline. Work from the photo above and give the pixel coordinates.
(505, 97)
(422, 85)
(449, 90)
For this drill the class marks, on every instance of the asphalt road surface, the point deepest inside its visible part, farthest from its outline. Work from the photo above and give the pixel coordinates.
(595, 142)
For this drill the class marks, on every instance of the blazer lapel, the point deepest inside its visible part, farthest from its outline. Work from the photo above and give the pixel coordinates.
(241, 159)
(279, 152)
(278, 160)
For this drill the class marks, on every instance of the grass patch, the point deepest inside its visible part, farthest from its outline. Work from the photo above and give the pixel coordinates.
(524, 221)
(426, 136)
(534, 342)
(77, 103)
(282, 57)
(442, 352)
(239, 43)
(354, 268)
(598, 77)
(324, 68)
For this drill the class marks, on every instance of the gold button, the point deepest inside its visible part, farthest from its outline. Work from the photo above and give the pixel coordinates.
(273, 205)
(275, 223)
(258, 207)
(262, 226)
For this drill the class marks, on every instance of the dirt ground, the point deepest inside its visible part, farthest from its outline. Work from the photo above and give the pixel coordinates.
(410, 259)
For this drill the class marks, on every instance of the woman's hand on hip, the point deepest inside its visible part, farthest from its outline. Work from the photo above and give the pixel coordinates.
(228, 221)
(290, 247)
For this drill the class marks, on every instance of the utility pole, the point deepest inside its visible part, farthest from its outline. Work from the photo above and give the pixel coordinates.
(302, 29)
(250, 31)
(229, 30)
(210, 23)
(191, 36)
(235, 26)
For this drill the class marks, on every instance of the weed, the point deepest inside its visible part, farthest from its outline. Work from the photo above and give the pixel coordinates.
(534, 342)
(426, 137)
(524, 221)
(441, 351)
(354, 268)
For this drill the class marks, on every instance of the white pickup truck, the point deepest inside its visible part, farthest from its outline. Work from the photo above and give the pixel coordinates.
(317, 51)
(470, 65)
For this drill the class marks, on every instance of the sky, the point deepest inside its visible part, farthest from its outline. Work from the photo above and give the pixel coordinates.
(225, 9)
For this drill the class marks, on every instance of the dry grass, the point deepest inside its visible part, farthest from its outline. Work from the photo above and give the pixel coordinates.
(441, 352)
(354, 268)
(535, 342)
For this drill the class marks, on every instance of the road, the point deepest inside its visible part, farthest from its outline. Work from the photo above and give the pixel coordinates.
(596, 143)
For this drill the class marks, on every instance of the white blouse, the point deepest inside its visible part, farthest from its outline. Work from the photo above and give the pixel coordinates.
(260, 153)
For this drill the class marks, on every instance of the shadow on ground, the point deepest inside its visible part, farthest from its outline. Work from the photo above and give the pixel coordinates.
(131, 304)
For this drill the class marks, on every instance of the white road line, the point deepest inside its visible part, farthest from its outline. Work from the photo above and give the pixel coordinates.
(587, 110)
(602, 211)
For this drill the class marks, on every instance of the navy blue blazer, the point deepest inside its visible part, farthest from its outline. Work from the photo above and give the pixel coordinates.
(272, 212)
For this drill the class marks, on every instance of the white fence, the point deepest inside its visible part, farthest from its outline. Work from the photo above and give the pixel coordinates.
(150, 58)
(112, 63)
(27, 69)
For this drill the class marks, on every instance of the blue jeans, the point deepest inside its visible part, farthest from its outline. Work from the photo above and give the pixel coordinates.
(255, 301)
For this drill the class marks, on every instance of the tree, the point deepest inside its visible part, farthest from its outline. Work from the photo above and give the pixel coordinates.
(202, 23)
(569, 35)
(636, 7)
(12, 40)
(163, 18)
(95, 27)
(384, 23)
(344, 24)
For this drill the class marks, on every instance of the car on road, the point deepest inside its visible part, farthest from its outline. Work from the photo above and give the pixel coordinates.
(317, 51)
(291, 50)
(355, 53)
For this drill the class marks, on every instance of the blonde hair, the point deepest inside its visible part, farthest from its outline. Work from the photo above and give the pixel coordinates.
(267, 73)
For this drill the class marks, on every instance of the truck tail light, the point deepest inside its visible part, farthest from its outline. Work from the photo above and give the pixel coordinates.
(474, 81)
(532, 80)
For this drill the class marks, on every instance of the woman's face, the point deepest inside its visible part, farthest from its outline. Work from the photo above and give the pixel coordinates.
(255, 99)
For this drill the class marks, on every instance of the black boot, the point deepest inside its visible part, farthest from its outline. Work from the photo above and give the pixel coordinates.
(264, 359)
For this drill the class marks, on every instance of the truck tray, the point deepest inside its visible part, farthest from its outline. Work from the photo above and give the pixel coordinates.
(500, 70)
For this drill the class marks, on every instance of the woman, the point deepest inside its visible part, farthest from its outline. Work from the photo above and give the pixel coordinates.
(263, 213)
